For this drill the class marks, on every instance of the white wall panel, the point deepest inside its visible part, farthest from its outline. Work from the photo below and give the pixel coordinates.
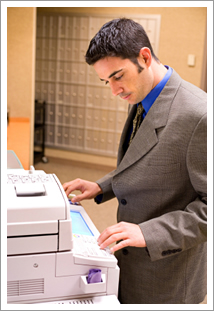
(81, 112)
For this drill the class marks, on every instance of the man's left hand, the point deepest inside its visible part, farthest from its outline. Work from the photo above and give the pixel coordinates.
(127, 233)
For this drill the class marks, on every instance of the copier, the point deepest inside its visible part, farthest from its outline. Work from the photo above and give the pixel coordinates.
(51, 245)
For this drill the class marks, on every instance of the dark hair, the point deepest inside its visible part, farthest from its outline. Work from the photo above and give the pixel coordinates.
(120, 37)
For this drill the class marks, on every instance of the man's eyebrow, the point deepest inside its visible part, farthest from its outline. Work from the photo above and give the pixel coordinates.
(112, 74)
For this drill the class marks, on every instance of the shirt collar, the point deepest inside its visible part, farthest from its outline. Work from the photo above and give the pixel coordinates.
(155, 92)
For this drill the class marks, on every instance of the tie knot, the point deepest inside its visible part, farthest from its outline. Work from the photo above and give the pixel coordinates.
(140, 109)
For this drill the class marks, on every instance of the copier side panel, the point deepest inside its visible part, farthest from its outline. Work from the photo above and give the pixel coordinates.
(36, 280)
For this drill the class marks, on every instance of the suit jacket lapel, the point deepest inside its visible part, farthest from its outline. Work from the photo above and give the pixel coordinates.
(143, 141)
(146, 138)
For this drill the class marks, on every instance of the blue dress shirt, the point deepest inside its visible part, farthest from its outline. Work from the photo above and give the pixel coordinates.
(149, 100)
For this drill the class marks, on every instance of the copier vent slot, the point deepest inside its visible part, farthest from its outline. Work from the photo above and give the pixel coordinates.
(86, 301)
(25, 287)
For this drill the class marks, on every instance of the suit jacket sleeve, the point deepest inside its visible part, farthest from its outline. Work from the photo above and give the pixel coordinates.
(106, 186)
(180, 230)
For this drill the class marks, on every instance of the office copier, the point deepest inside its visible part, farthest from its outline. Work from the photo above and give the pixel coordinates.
(52, 245)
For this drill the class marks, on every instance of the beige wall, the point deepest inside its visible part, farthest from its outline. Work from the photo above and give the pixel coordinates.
(182, 32)
(21, 33)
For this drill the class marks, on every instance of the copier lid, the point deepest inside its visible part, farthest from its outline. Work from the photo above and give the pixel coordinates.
(51, 205)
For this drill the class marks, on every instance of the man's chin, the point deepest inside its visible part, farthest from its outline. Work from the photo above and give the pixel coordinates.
(131, 103)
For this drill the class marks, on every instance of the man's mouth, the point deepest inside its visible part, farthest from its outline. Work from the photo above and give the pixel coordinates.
(125, 97)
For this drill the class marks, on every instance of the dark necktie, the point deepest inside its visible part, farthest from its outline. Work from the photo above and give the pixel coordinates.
(137, 121)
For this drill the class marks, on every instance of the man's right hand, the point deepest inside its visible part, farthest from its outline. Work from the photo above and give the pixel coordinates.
(88, 189)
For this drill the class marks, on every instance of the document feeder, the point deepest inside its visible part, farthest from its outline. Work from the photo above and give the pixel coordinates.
(52, 244)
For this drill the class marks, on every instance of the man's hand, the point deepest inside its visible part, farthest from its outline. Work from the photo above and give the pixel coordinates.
(89, 189)
(130, 234)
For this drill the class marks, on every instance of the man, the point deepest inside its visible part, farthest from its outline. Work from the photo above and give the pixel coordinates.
(160, 179)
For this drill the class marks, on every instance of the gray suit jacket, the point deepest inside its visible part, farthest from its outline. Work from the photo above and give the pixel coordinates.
(160, 183)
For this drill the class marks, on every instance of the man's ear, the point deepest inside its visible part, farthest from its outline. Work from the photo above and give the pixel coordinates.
(145, 56)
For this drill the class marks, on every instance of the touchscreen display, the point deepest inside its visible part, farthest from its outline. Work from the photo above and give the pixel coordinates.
(79, 226)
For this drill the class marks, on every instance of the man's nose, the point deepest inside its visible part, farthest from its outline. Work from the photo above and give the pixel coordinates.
(116, 89)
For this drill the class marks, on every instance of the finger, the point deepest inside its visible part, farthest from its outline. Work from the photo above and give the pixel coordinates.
(64, 186)
(108, 232)
(72, 186)
(67, 184)
(67, 188)
(112, 239)
(119, 245)
(79, 197)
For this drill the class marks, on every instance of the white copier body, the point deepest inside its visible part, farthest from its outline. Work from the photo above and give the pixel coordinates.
(47, 258)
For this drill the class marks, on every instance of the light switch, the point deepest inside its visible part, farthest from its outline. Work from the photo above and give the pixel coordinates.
(191, 60)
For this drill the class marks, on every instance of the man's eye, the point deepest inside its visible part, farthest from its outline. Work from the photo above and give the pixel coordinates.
(106, 83)
(118, 78)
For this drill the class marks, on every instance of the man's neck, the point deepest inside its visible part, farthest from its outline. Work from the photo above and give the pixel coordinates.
(159, 71)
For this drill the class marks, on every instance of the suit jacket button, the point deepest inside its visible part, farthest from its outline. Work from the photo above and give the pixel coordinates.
(125, 251)
(123, 201)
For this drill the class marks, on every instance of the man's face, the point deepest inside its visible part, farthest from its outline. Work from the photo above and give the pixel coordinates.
(124, 78)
